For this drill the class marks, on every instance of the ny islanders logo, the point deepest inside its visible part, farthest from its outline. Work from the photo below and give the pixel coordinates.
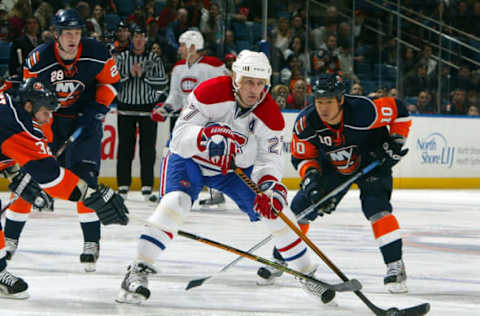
(68, 91)
(346, 159)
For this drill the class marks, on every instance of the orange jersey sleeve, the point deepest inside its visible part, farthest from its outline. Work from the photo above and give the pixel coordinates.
(305, 151)
(389, 114)
(109, 75)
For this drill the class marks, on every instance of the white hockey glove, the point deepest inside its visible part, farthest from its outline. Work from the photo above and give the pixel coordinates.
(272, 200)
(108, 205)
(25, 187)
(221, 143)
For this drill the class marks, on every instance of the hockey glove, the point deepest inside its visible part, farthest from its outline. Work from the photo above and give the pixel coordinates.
(221, 144)
(161, 111)
(315, 186)
(91, 118)
(272, 200)
(390, 152)
(108, 205)
(25, 187)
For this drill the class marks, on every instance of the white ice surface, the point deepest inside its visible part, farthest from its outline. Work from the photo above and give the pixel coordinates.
(441, 232)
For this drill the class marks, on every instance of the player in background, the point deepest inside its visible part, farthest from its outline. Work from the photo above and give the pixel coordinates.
(247, 127)
(187, 74)
(26, 160)
(84, 76)
(334, 138)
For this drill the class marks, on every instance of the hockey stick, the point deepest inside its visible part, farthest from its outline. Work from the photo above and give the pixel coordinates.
(304, 213)
(350, 285)
(70, 140)
(416, 310)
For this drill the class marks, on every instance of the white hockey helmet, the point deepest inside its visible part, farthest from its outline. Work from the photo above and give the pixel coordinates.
(192, 37)
(252, 64)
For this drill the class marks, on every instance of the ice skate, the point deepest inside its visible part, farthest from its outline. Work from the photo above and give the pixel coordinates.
(317, 291)
(12, 286)
(89, 256)
(11, 246)
(148, 196)
(395, 280)
(134, 289)
(123, 191)
(216, 199)
(266, 275)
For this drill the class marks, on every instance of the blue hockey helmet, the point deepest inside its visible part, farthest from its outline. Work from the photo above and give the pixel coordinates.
(68, 19)
(327, 85)
(33, 90)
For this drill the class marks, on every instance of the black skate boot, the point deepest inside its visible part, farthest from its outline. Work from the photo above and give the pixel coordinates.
(396, 279)
(12, 286)
(134, 289)
(89, 256)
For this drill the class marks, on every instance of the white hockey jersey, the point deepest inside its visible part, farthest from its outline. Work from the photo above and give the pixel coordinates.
(213, 101)
(185, 78)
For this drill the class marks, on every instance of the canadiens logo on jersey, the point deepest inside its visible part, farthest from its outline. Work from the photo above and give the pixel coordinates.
(68, 91)
(345, 159)
(188, 84)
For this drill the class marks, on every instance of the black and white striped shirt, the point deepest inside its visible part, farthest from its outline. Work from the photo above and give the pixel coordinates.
(142, 90)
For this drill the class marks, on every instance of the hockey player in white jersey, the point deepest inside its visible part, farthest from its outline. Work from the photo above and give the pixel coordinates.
(187, 74)
(225, 120)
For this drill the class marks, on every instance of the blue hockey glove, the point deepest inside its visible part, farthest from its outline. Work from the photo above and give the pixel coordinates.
(91, 118)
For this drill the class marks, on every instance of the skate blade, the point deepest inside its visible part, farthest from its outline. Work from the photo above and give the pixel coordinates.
(89, 266)
(129, 297)
(397, 288)
(17, 296)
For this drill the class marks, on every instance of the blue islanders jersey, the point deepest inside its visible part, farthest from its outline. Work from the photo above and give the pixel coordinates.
(91, 77)
(364, 125)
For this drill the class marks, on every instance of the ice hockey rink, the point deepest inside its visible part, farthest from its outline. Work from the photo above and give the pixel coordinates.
(441, 230)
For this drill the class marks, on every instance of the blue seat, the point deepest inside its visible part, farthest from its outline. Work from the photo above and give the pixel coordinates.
(112, 20)
(385, 72)
(411, 100)
(369, 86)
(4, 52)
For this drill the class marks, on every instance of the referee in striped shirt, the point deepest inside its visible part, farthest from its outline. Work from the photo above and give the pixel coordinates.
(143, 77)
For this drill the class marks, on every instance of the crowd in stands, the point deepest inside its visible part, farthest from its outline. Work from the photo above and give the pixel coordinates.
(332, 42)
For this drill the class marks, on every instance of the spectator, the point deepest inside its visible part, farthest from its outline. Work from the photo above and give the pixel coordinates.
(156, 48)
(282, 34)
(298, 27)
(345, 58)
(137, 18)
(194, 8)
(3, 23)
(473, 110)
(122, 35)
(211, 25)
(44, 14)
(16, 21)
(47, 36)
(408, 62)
(229, 45)
(228, 60)
(280, 94)
(326, 59)
(98, 19)
(320, 35)
(169, 13)
(153, 33)
(458, 104)
(297, 47)
(464, 79)
(393, 93)
(142, 75)
(23, 45)
(425, 103)
(84, 8)
(356, 89)
(299, 99)
(418, 82)
(426, 59)
(174, 30)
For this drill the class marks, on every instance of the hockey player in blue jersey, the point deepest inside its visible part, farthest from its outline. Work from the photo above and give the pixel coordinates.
(84, 76)
(333, 139)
